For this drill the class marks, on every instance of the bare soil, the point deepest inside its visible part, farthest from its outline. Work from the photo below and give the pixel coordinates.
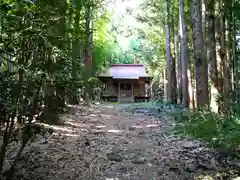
(106, 143)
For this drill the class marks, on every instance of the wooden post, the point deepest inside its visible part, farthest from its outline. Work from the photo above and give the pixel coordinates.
(106, 91)
(145, 86)
(119, 90)
(132, 91)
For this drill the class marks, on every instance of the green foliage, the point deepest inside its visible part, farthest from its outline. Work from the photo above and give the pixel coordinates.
(103, 43)
(42, 53)
(121, 57)
(221, 132)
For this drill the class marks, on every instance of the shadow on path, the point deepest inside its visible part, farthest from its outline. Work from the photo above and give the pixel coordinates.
(106, 143)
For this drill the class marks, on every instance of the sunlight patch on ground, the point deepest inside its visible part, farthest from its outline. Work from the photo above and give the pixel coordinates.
(152, 125)
(106, 116)
(204, 178)
(237, 178)
(75, 106)
(61, 128)
(76, 124)
(67, 130)
(114, 131)
(238, 120)
(137, 127)
(142, 126)
(110, 106)
(57, 128)
(69, 105)
(100, 127)
(67, 134)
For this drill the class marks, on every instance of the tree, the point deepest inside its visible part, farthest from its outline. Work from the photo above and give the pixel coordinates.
(168, 70)
(184, 55)
(211, 52)
(42, 56)
(201, 68)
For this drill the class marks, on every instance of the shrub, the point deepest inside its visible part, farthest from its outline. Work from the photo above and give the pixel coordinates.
(218, 131)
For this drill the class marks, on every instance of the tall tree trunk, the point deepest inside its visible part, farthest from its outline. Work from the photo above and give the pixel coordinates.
(224, 59)
(211, 52)
(174, 81)
(234, 62)
(228, 50)
(218, 54)
(75, 55)
(60, 93)
(184, 54)
(201, 69)
(179, 68)
(88, 53)
(174, 55)
(168, 70)
(204, 27)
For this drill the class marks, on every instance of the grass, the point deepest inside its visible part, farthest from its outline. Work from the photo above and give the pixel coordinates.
(221, 132)
(158, 107)
(141, 105)
(218, 131)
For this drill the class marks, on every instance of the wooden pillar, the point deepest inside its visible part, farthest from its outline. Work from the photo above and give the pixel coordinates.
(119, 90)
(145, 86)
(132, 90)
(105, 91)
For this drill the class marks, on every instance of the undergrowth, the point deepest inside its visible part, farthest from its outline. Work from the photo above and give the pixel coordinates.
(156, 106)
(221, 132)
(218, 131)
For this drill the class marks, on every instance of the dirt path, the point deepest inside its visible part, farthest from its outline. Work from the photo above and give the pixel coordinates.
(106, 143)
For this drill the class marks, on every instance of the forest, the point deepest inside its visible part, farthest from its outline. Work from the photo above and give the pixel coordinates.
(51, 53)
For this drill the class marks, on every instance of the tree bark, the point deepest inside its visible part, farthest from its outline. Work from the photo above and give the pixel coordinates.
(211, 53)
(224, 58)
(201, 69)
(76, 47)
(168, 70)
(227, 82)
(184, 54)
(174, 56)
(88, 53)
(179, 68)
